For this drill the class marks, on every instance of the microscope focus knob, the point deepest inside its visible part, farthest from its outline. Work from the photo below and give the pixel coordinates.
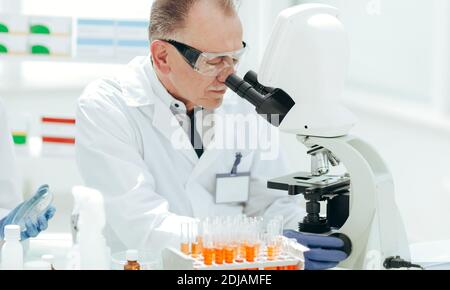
(347, 248)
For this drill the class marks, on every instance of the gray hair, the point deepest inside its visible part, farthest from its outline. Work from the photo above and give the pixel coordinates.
(169, 16)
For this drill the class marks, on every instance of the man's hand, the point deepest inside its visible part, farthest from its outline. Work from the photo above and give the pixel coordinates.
(325, 252)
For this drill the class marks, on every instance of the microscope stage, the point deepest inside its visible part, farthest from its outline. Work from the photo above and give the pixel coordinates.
(304, 180)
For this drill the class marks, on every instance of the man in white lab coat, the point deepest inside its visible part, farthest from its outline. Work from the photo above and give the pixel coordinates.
(129, 144)
(10, 197)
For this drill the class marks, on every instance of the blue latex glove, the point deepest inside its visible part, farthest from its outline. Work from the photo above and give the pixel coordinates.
(325, 252)
(33, 228)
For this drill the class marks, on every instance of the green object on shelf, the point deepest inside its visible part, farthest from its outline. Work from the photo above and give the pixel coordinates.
(20, 139)
(40, 49)
(3, 28)
(39, 29)
(3, 49)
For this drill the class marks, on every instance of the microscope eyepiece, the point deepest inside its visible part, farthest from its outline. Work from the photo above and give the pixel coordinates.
(252, 78)
(244, 90)
(271, 104)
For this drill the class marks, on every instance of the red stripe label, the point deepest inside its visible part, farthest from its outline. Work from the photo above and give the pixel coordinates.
(58, 120)
(58, 140)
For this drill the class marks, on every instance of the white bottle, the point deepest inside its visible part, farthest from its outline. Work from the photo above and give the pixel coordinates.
(94, 252)
(12, 250)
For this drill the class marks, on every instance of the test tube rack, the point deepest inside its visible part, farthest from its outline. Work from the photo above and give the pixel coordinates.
(174, 259)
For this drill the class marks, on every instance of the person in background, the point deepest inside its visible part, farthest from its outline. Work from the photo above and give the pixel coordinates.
(10, 197)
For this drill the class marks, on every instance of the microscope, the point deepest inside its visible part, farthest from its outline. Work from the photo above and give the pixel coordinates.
(298, 90)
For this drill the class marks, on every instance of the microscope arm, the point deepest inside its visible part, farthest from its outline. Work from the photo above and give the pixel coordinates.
(374, 225)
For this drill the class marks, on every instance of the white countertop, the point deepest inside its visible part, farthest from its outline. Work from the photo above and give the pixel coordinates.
(57, 245)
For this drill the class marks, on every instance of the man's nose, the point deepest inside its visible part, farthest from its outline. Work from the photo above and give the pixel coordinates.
(225, 73)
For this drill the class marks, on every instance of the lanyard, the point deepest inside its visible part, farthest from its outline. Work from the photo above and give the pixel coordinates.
(236, 163)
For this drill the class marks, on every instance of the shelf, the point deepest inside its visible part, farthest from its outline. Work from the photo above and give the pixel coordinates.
(59, 59)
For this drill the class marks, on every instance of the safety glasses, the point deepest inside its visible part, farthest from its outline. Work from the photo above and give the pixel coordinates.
(207, 63)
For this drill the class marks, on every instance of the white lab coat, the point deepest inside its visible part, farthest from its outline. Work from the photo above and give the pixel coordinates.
(124, 150)
(9, 193)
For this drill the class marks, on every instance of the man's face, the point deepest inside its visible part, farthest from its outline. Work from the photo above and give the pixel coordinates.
(208, 29)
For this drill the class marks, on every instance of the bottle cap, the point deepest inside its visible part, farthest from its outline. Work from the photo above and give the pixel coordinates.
(12, 232)
(132, 255)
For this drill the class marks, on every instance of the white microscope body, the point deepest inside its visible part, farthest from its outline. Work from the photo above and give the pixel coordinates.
(307, 57)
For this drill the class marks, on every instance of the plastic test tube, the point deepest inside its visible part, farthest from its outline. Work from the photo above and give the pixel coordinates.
(200, 234)
(208, 249)
(185, 238)
(243, 239)
(251, 246)
(194, 239)
(257, 232)
(231, 245)
(271, 241)
(207, 241)
(278, 231)
(218, 231)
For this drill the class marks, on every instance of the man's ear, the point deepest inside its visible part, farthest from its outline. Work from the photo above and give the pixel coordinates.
(160, 56)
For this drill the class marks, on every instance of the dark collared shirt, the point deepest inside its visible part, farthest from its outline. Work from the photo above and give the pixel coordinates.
(195, 137)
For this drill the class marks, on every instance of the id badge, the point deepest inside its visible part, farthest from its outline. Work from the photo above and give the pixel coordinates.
(232, 188)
